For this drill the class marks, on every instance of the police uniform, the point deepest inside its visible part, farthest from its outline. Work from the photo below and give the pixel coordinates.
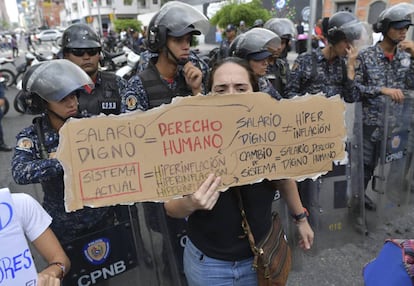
(312, 73)
(374, 70)
(278, 73)
(225, 49)
(144, 59)
(28, 167)
(266, 86)
(135, 95)
(105, 97)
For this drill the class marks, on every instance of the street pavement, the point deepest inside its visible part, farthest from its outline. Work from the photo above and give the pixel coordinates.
(340, 265)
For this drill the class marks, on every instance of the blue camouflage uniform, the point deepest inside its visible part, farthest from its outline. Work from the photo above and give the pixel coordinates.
(134, 96)
(373, 71)
(312, 73)
(28, 167)
(266, 86)
(278, 74)
(144, 59)
(225, 48)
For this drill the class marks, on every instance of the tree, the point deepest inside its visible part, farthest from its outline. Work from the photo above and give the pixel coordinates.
(125, 24)
(233, 13)
(4, 25)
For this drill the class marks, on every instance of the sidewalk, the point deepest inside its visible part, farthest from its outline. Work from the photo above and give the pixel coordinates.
(343, 266)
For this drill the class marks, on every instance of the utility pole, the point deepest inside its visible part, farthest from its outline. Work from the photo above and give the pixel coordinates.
(312, 21)
(98, 4)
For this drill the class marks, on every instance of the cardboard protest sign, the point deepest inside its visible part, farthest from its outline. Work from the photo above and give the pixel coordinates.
(17, 266)
(169, 151)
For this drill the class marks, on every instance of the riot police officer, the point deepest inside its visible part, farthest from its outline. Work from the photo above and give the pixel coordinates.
(384, 70)
(329, 70)
(278, 69)
(82, 46)
(172, 71)
(255, 46)
(54, 87)
(258, 23)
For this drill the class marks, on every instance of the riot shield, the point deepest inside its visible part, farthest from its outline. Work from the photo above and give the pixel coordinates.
(391, 183)
(144, 247)
(101, 255)
(335, 200)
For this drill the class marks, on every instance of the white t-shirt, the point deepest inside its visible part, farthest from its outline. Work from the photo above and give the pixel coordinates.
(32, 217)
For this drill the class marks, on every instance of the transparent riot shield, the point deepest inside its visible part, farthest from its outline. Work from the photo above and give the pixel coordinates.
(143, 247)
(335, 200)
(390, 186)
(103, 254)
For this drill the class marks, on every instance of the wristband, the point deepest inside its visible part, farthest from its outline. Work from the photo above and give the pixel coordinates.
(61, 266)
(300, 216)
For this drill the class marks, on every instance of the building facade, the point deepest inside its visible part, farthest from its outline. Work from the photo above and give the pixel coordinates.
(365, 10)
(104, 12)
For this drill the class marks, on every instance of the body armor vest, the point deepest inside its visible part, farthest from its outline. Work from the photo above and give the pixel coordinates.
(157, 90)
(104, 98)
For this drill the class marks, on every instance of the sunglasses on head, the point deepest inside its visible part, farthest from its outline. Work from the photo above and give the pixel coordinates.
(80, 52)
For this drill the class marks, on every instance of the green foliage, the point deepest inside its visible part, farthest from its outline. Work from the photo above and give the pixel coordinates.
(121, 24)
(4, 25)
(288, 11)
(233, 13)
(194, 41)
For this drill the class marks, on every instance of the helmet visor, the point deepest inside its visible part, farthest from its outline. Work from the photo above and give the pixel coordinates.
(178, 16)
(54, 80)
(352, 30)
(398, 12)
(259, 39)
(283, 27)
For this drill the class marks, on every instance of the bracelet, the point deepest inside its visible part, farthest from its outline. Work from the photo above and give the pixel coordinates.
(61, 266)
(300, 216)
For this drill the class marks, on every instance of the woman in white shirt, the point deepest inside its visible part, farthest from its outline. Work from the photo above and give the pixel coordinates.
(35, 223)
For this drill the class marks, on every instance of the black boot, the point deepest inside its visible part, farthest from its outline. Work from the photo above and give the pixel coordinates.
(5, 148)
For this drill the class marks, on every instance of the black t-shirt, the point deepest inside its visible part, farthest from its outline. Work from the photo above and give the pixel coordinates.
(217, 232)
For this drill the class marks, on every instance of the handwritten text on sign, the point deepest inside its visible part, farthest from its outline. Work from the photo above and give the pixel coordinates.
(169, 151)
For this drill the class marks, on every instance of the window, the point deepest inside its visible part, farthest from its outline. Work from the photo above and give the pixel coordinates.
(346, 6)
(374, 10)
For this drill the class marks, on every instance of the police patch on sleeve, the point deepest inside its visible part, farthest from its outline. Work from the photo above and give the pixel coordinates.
(405, 62)
(131, 102)
(25, 143)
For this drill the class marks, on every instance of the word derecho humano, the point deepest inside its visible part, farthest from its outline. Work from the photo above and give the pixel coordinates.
(170, 150)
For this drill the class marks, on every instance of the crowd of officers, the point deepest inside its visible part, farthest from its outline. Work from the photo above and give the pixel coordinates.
(169, 68)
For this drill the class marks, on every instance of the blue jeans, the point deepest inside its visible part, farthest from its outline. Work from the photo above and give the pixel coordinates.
(201, 270)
